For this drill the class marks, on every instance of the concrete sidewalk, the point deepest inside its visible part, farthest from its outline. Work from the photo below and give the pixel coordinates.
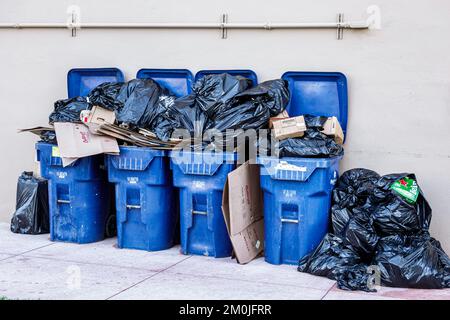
(32, 267)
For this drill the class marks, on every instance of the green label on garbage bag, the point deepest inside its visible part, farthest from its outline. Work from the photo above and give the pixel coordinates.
(407, 188)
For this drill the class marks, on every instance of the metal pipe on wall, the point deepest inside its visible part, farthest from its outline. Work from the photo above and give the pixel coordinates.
(74, 23)
(218, 25)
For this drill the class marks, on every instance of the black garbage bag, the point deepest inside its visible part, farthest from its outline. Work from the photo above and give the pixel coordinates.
(32, 214)
(383, 228)
(336, 261)
(313, 143)
(105, 96)
(212, 92)
(413, 262)
(185, 114)
(144, 101)
(252, 108)
(350, 220)
(354, 187)
(195, 111)
(48, 137)
(68, 110)
(359, 233)
(392, 214)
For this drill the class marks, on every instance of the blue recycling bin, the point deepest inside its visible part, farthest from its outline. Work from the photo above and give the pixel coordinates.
(297, 197)
(200, 178)
(297, 191)
(78, 196)
(145, 199)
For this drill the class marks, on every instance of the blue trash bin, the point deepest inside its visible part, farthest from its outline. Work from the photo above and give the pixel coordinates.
(145, 202)
(200, 178)
(297, 191)
(78, 196)
(297, 197)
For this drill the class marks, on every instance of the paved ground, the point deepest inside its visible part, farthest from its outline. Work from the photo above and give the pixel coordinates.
(32, 267)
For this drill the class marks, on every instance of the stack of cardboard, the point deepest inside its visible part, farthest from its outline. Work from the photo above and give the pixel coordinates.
(285, 127)
(97, 133)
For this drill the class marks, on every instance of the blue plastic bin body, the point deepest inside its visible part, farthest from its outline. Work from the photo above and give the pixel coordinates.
(81, 81)
(297, 191)
(145, 202)
(297, 197)
(201, 178)
(78, 196)
(179, 81)
(246, 73)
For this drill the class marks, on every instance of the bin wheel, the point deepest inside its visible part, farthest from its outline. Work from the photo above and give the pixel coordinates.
(111, 227)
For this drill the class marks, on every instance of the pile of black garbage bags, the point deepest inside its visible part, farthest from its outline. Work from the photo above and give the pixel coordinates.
(376, 232)
(218, 102)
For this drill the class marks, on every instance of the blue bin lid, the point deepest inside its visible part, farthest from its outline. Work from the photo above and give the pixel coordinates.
(179, 81)
(81, 81)
(246, 73)
(318, 93)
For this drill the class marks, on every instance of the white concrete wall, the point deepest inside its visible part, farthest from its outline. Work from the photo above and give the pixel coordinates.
(398, 77)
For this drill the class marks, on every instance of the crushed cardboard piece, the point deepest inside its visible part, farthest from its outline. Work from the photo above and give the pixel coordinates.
(242, 209)
(37, 130)
(289, 128)
(280, 116)
(98, 115)
(76, 141)
(333, 128)
(143, 138)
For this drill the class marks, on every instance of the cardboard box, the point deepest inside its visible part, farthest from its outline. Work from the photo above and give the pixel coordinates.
(333, 128)
(282, 115)
(97, 116)
(76, 141)
(289, 128)
(242, 207)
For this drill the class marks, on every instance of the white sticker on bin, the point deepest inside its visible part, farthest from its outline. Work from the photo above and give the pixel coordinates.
(133, 180)
(283, 165)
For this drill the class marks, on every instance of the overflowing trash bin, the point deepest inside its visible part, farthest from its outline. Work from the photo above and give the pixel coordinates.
(199, 174)
(80, 204)
(297, 188)
(78, 196)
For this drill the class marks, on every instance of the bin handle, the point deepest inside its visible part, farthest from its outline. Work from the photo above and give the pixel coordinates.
(132, 206)
(205, 213)
(290, 220)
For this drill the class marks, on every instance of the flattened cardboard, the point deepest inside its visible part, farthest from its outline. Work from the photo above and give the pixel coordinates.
(76, 141)
(242, 209)
(289, 128)
(333, 128)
